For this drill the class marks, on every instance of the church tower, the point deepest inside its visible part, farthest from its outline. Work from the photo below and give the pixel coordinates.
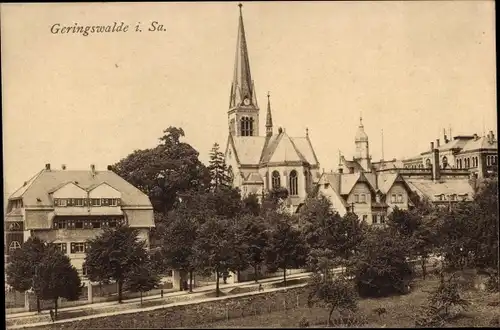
(362, 150)
(243, 114)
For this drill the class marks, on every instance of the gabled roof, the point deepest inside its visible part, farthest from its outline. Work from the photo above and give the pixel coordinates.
(347, 182)
(286, 151)
(47, 180)
(19, 192)
(62, 185)
(248, 148)
(254, 177)
(304, 146)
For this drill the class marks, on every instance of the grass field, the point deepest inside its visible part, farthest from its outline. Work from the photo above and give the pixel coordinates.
(401, 312)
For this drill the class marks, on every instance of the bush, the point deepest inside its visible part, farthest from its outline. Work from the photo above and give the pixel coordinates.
(304, 322)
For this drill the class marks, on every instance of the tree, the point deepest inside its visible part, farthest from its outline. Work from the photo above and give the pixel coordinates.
(286, 248)
(381, 266)
(179, 238)
(213, 249)
(165, 171)
(332, 293)
(273, 200)
(220, 174)
(332, 239)
(57, 278)
(114, 254)
(240, 259)
(255, 231)
(23, 267)
(142, 278)
(251, 204)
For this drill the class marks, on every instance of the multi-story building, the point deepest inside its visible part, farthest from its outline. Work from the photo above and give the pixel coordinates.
(474, 153)
(67, 207)
(374, 190)
(261, 162)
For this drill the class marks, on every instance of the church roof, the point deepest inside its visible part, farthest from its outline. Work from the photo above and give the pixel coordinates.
(254, 177)
(249, 148)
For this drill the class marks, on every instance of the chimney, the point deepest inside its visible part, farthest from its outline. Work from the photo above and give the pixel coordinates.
(445, 137)
(437, 143)
(476, 136)
(341, 170)
(432, 146)
(92, 169)
(63, 167)
(110, 168)
(47, 167)
(435, 163)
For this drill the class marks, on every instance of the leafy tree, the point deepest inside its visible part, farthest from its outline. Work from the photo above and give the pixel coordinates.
(286, 248)
(332, 239)
(240, 260)
(486, 224)
(57, 278)
(22, 269)
(251, 204)
(226, 202)
(273, 200)
(213, 249)
(332, 293)
(219, 172)
(142, 278)
(178, 240)
(114, 254)
(381, 267)
(255, 232)
(164, 171)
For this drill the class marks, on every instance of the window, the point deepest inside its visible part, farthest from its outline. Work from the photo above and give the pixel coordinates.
(77, 247)
(63, 202)
(452, 197)
(61, 247)
(327, 185)
(14, 226)
(400, 198)
(363, 198)
(246, 126)
(96, 202)
(96, 224)
(382, 218)
(294, 182)
(79, 202)
(428, 163)
(14, 245)
(356, 198)
(78, 224)
(275, 180)
(393, 198)
(375, 218)
(84, 270)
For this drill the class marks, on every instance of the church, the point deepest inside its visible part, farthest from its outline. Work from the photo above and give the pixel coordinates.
(262, 162)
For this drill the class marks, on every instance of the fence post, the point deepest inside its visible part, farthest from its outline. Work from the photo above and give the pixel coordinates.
(298, 301)
(26, 301)
(90, 293)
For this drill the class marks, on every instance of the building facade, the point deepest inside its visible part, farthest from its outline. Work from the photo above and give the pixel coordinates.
(66, 208)
(476, 154)
(261, 162)
(373, 190)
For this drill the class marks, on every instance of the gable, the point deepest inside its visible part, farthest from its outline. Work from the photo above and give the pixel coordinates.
(285, 152)
(104, 190)
(69, 190)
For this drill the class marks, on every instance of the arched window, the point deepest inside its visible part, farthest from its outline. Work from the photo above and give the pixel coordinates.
(445, 162)
(428, 163)
(294, 189)
(275, 180)
(14, 245)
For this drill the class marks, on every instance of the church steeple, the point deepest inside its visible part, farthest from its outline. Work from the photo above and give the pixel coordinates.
(243, 114)
(269, 118)
(242, 87)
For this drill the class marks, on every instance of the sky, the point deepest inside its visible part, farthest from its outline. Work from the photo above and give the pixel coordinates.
(409, 68)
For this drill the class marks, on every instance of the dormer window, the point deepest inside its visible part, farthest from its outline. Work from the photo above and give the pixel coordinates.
(96, 202)
(327, 185)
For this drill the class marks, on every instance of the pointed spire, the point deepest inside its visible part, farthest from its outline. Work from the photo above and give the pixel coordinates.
(269, 118)
(242, 87)
(360, 120)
